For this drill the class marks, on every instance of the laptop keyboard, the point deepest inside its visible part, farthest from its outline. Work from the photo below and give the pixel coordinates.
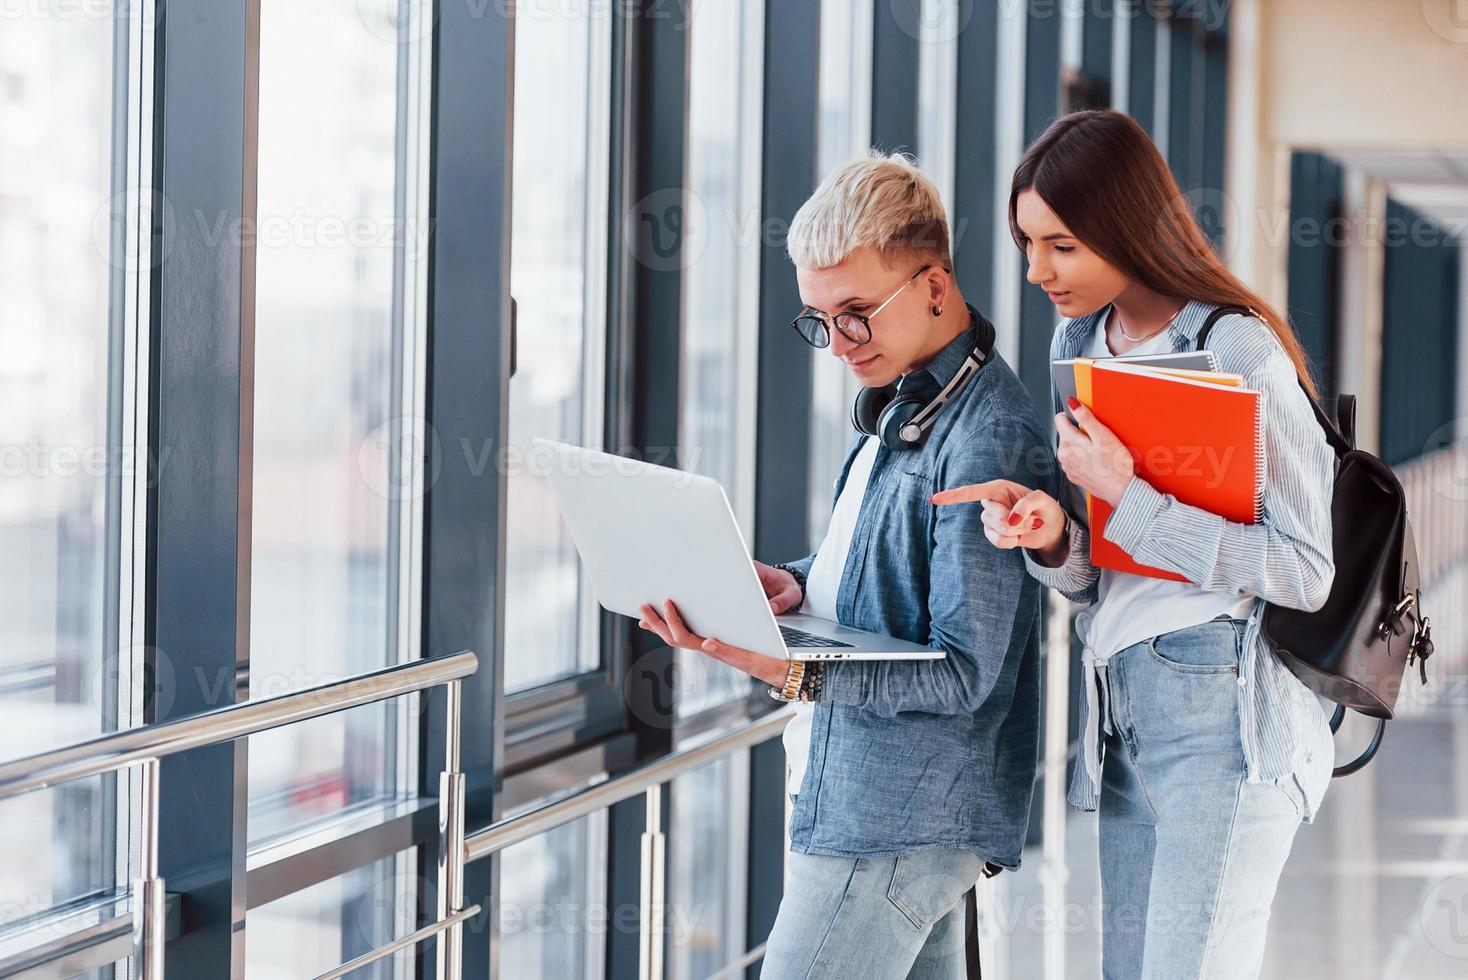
(800, 638)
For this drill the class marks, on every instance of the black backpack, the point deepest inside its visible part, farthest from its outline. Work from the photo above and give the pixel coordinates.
(1356, 648)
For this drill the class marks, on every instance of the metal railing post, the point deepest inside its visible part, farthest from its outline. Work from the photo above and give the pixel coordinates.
(451, 841)
(149, 911)
(652, 897)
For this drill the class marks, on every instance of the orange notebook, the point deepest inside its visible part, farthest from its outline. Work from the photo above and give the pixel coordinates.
(1200, 439)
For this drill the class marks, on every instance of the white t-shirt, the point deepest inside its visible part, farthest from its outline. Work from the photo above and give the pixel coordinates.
(821, 586)
(1131, 608)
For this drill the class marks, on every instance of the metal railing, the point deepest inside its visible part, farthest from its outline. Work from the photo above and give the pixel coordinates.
(144, 747)
(649, 781)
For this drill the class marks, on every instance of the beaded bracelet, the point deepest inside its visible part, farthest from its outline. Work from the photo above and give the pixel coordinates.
(802, 683)
(798, 575)
(810, 685)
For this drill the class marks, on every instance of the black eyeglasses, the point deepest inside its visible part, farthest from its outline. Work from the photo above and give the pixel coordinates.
(814, 326)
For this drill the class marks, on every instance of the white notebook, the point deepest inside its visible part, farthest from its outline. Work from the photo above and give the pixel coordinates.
(1064, 375)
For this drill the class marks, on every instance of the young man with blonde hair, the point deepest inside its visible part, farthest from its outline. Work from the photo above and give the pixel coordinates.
(910, 778)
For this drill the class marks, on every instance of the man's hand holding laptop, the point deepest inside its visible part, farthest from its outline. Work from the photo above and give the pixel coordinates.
(784, 595)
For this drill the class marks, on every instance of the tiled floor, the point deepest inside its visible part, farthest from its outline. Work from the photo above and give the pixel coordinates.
(1376, 888)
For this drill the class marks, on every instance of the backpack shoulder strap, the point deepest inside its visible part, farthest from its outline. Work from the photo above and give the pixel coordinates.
(1345, 417)
(1342, 444)
(1213, 318)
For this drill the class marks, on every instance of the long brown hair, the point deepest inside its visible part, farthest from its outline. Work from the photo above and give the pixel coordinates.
(1101, 174)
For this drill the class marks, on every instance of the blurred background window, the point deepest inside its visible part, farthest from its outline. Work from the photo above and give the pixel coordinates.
(338, 374)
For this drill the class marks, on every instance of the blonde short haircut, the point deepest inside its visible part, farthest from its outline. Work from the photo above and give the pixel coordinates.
(880, 200)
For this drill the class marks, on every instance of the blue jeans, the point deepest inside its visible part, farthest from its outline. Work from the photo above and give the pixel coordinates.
(844, 917)
(1190, 852)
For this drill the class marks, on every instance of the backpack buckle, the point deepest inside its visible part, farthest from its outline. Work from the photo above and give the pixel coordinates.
(1391, 625)
(1421, 646)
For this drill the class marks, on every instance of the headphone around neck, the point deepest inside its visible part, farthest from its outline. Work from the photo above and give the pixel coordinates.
(901, 413)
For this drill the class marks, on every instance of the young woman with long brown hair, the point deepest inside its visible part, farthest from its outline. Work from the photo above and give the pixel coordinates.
(1202, 750)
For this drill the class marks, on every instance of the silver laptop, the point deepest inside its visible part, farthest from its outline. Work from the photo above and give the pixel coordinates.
(649, 533)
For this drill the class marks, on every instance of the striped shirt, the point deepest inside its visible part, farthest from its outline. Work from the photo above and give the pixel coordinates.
(1285, 559)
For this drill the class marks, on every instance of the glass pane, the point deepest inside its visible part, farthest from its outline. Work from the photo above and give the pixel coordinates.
(706, 846)
(844, 96)
(939, 23)
(321, 927)
(720, 288)
(57, 845)
(552, 909)
(59, 673)
(334, 336)
(844, 85)
(555, 273)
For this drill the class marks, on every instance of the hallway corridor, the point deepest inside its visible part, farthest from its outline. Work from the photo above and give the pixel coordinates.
(1376, 888)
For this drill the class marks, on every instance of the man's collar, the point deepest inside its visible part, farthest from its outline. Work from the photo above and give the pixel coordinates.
(946, 362)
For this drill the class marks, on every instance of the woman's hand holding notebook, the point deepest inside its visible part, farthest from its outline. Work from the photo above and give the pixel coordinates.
(1197, 435)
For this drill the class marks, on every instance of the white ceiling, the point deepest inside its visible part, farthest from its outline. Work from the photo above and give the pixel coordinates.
(1447, 203)
(1434, 182)
(1412, 167)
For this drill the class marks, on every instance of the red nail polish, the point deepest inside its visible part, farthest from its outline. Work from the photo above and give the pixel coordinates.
(1014, 519)
(1073, 403)
(1038, 521)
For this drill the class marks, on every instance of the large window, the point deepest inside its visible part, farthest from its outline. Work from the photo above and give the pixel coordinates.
(558, 278)
(939, 24)
(316, 929)
(337, 327)
(706, 868)
(552, 908)
(720, 329)
(844, 133)
(67, 454)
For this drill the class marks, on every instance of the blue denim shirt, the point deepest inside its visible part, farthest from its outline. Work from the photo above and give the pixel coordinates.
(907, 755)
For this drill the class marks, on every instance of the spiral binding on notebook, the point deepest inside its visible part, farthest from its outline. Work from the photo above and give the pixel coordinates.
(1259, 461)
